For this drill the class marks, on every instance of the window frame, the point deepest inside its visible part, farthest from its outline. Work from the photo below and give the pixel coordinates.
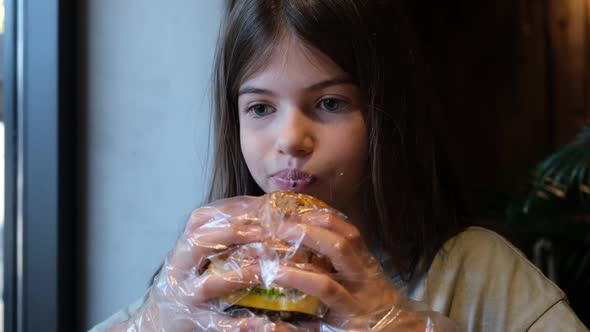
(40, 99)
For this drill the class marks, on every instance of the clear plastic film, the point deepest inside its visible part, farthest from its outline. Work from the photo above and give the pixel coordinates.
(280, 262)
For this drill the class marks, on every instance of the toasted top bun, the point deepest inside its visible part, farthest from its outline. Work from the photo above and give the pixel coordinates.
(290, 202)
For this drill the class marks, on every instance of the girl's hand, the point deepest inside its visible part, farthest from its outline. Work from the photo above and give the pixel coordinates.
(179, 298)
(360, 295)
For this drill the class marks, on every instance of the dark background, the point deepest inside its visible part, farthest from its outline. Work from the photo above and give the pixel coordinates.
(513, 77)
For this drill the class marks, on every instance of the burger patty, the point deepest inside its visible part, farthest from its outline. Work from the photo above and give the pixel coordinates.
(284, 316)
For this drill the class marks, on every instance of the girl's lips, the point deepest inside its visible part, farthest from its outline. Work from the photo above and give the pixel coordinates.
(293, 180)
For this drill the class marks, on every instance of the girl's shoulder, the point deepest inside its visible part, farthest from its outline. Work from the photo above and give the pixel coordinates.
(476, 243)
(121, 316)
(479, 278)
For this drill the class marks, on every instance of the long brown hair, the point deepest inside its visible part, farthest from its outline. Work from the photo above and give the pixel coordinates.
(411, 199)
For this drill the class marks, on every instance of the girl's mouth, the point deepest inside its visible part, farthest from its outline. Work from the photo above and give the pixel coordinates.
(293, 179)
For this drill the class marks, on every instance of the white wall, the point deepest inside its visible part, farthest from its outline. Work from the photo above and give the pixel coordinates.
(149, 65)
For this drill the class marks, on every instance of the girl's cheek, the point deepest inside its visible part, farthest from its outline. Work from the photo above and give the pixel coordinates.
(252, 149)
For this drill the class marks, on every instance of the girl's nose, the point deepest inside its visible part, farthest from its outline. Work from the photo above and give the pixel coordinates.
(294, 136)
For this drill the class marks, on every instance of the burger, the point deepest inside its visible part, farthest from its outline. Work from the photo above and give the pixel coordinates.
(270, 299)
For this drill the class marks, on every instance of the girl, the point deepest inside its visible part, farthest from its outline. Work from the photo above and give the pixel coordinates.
(328, 98)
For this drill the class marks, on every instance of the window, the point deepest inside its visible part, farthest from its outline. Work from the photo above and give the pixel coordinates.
(39, 125)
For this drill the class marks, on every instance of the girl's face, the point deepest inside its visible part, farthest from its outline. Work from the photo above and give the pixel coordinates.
(302, 127)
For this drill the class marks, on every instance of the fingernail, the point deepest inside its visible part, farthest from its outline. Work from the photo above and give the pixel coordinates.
(251, 232)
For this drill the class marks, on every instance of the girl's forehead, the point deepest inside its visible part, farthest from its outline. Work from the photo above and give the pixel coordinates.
(292, 59)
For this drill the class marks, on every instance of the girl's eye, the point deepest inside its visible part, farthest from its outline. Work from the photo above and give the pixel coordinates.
(332, 104)
(260, 110)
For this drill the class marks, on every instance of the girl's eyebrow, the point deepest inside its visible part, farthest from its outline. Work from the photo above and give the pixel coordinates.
(330, 82)
(316, 86)
(251, 89)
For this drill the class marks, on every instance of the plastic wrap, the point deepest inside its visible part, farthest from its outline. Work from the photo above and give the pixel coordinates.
(282, 261)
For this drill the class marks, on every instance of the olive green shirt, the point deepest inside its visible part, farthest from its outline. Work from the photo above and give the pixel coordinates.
(483, 283)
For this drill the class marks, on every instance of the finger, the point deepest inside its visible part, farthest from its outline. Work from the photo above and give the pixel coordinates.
(256, 323)
(320, 285)
(213, 321)
(280, 326)
(310, 326)
(216, 284)
(339, 250)
(192, 250)
(333, 221)
(230, 210)
(246, 324)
